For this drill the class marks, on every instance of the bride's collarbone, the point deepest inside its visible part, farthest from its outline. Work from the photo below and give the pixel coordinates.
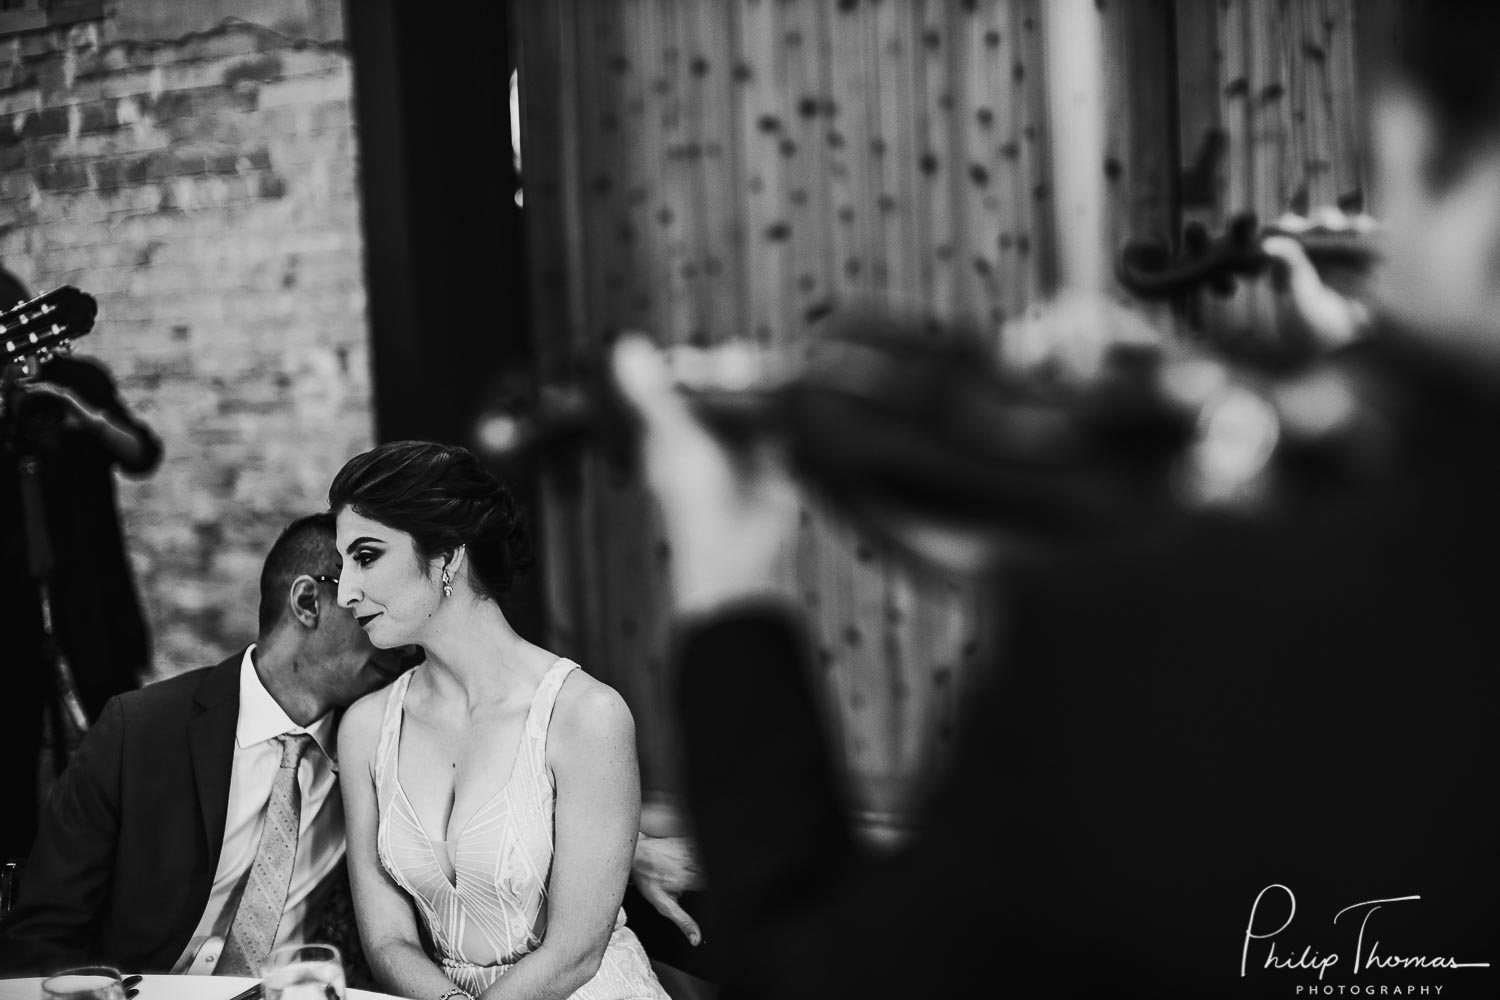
(462, 740)
(446, 708)
(442, 723)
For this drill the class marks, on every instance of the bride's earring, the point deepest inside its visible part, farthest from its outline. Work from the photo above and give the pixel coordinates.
(447, 584)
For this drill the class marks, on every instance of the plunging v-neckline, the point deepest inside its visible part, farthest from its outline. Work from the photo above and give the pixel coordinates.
(492, 911)
(432, 845)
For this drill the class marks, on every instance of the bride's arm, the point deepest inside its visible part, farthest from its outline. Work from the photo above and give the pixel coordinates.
(387, 920)
(591, 753)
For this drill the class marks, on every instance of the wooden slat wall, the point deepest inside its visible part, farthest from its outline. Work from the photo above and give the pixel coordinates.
(1139, 164)
(1289, 107)
(735, 170)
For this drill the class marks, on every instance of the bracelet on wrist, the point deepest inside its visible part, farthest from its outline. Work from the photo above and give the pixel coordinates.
(456, 992)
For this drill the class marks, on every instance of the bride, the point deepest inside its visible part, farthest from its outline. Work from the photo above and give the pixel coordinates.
(493, 790)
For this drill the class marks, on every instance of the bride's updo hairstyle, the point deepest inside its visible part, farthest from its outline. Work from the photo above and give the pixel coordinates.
(443, 498)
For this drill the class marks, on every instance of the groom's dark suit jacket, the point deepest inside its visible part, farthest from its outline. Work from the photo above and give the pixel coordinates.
(130, 837)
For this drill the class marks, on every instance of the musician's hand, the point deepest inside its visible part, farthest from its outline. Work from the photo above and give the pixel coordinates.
(1333, 319)
(76, 412)
(663, 869)
(122, 440)
(726, 516)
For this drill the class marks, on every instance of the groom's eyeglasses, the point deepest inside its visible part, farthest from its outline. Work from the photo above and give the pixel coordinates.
(327, 579)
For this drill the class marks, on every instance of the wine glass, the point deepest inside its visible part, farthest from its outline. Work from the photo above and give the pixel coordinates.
(303, 972)
(94, 982)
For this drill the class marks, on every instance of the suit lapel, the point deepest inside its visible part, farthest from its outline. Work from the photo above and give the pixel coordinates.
(211, 746)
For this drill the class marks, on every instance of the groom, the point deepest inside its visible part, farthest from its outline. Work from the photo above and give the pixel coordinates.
(148, 836)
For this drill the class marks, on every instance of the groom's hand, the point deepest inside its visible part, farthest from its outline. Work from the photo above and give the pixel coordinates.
(663, 869)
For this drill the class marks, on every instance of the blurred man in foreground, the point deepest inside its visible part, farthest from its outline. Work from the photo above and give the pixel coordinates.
(1237, 758)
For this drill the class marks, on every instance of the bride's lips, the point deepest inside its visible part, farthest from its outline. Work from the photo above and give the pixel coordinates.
(367, 619)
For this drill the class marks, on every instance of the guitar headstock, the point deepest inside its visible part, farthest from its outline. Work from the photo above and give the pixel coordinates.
(46, 325)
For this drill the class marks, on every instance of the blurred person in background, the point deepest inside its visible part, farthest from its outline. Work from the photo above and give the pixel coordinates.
(69, 418)
(1238, 757)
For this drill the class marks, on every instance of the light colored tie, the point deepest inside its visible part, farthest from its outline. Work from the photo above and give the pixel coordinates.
(256, 919)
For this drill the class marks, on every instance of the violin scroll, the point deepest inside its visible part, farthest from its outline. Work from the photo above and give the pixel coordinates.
(1149, 269)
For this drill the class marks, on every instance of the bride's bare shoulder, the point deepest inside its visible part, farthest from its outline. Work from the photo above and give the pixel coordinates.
(589, 715)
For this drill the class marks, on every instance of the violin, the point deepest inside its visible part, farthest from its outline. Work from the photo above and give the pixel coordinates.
(1148, 269)
(881, 416)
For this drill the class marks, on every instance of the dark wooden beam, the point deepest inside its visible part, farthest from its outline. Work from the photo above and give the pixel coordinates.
(443, 249)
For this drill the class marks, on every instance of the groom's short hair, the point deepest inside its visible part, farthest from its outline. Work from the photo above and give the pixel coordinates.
(307, 545)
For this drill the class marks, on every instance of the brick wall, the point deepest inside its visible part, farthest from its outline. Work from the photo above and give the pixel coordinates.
(198, 176)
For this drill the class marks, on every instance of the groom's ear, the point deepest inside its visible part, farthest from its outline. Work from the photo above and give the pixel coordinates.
(302, 601)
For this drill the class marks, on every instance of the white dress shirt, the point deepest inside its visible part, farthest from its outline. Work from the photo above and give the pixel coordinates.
(320, 843)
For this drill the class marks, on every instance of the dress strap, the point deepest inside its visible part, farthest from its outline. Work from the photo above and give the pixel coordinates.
(546, 697)
(390, 725)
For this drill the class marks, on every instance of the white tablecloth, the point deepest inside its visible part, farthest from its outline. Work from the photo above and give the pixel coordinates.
(171, 988)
